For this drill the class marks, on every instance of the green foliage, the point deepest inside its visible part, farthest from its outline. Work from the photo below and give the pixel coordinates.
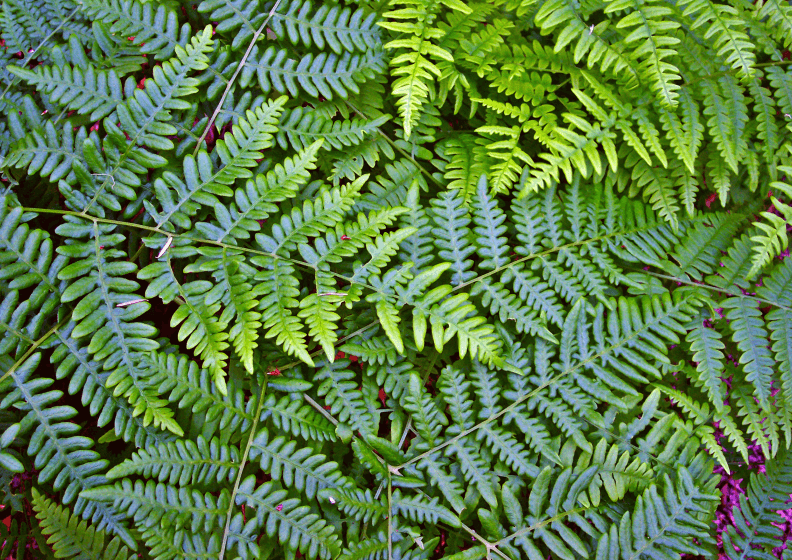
(70, 538)
(260, 297)
(753, 534)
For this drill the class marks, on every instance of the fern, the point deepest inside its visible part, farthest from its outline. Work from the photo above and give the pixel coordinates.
(677, 506)
(261, 298)
(156, 31)
(755, 517)
(72, 539)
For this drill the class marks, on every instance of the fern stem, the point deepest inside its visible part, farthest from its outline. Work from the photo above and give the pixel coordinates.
(242, 463)
(233, 79)
(390, 516)
(319, 408)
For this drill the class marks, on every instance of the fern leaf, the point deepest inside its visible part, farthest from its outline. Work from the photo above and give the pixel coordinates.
(202, 184)
(191, 387)
(281, 515)
(475, 469)
(319, 312)
(60, 456)
(755, 516)
(153, 29)
(70, 538)
(257, 201)
(297, 468)
(200, 326)
(182, 462)
(641, 532)
(709, 358)
(278, 284)
(776, 289)
(299, 419)
(310, 219)
(163, 506)
(652, 37)
(326, 75)
(467, 162)
(89, 91)
(750, 335)
(115, 336)
(300, 128)
(338, 28)
(685, 135)
(343, 397)
(420, 509)
(452, 219)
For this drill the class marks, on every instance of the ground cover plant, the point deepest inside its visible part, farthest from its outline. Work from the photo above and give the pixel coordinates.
(395, 280)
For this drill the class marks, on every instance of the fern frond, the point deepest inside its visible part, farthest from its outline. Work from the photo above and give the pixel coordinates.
(72, 359)
(200, 327)
(750, 335)
(452, 240)
(418, 509)
(592, 42)
(343, 397)
(203, 183)
(116, 338)
(340, 29)
(776, 289)
(360, 504)
(651, 34)
(295, 526)
(697, 253)
(301, 128)
(779, 17)
(60, 456)
(764, 434)
(182, 462)
(413, 71)
(190, 387)
(299, 419)
(153, 29)
(86, 90)
(773, 237)
(709, 360)
(237, 221)
(757, 512)
(278, 283)
(163, 506)
(70, 538)
(295, 467)
(48, 151)
(641, 532)
(326, 75)
(467, 161)
(685, 133)
(723, 27)
(310, 218)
